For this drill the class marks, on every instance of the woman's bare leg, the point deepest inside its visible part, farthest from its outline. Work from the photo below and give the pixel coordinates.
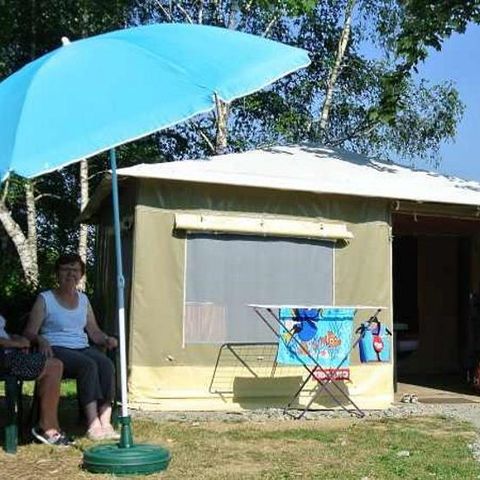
(49, 395)
(105, 415)
(91, 415)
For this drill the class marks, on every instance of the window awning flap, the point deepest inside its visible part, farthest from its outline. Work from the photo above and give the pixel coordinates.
(242, 224)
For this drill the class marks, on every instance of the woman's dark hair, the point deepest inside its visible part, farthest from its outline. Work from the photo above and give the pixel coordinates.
(67, 258)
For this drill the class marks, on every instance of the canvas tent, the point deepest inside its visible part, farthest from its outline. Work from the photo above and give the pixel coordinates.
(296, 224)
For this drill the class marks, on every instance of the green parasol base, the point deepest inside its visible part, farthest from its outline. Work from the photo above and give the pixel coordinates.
(125, 458)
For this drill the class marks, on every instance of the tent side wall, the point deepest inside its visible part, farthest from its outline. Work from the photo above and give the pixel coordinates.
(166, 373)
(105, 295)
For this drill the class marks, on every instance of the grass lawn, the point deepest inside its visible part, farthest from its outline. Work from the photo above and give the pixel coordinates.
(68, 389)
(324, 449)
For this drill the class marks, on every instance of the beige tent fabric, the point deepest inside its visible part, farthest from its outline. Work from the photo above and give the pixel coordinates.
(183, 388)
(362, 267)
(331, 187)
(157, 293)
(166, 374)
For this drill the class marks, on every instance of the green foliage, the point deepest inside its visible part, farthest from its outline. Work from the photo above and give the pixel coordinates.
(428, 117)
(427, 23)
(372, 104)
(422, 25)
(32, 28)
(16, 298)
(289, 7)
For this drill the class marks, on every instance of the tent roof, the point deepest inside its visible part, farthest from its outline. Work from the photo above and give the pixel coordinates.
(316, 169)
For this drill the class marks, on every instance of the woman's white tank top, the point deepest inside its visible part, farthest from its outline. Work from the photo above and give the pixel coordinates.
(64, 327)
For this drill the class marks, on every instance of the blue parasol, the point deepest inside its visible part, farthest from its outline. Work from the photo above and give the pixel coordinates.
(92, 95)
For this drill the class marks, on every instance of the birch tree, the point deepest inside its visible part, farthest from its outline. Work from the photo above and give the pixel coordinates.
(25, 245)
(335, 70)
(83, 228)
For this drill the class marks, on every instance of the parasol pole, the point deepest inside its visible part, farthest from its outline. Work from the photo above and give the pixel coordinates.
(126, 433)
(123, 458)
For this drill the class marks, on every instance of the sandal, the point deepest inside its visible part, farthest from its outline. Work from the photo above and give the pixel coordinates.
(407, 398)
(58, 439)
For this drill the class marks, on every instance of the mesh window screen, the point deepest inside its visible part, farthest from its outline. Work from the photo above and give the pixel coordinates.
(224, 273)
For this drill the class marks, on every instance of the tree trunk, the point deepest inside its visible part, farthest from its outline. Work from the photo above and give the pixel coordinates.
(83, 179)
(221, 138)
(32, 226)
(337, 68)
(83, 234)
(22, 245)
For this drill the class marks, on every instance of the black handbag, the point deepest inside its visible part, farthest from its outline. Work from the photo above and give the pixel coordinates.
(26, 366)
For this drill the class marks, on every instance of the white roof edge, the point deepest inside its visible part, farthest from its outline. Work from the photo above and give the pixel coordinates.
(319, 170)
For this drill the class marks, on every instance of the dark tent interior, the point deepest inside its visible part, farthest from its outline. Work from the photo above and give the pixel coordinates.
(436, 296)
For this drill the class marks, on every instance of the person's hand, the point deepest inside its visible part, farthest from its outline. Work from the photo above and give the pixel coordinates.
(44, 347)
(20, 342)
(110, 342)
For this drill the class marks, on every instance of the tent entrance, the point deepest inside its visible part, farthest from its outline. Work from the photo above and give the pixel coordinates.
(435, 276)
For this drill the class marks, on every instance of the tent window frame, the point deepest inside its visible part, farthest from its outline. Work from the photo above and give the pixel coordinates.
(328, 253)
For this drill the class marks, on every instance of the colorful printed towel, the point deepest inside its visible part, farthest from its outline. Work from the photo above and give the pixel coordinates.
(324, 337)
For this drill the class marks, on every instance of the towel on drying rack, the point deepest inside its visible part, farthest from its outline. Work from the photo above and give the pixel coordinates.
(325, 334)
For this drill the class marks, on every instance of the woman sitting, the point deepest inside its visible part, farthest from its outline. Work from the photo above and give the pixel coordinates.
(62, 322)
(48, 374)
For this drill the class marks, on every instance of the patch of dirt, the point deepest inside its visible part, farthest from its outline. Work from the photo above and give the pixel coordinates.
(224, 423)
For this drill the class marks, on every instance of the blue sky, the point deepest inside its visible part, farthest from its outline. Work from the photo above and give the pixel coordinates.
(459, 61)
